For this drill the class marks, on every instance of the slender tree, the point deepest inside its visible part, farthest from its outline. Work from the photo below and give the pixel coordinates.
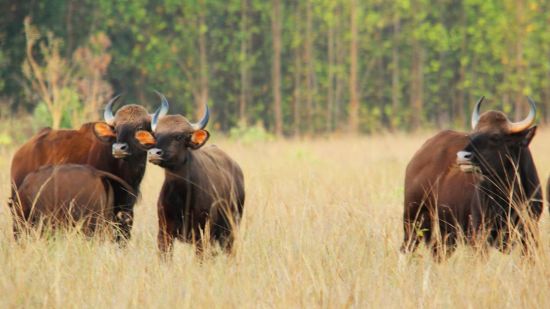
(276, 70)
(353, 88)
(245, 80)
(395, 80)
(203, 61)
(417, 74)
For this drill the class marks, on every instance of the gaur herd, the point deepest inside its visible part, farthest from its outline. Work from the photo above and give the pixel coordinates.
(480, 188)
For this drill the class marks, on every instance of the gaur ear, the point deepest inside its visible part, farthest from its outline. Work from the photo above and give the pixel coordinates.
(145, 138)
(198, 139)
(104, 132)
(525, 137)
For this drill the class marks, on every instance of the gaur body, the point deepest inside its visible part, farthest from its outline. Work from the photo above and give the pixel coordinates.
(202, 197)
(207, 189)
(483, 184)
(69, 195)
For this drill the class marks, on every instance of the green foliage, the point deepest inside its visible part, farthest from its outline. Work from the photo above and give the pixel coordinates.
(250, 134)
(5, 139)
(43, 118)
(15, 131)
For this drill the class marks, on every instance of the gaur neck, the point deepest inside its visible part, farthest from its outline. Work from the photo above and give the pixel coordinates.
(501, 195)
(504, 189)
(182, 170)
(132, 169)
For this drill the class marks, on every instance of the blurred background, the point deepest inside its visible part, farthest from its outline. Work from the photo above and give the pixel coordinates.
(278, 67)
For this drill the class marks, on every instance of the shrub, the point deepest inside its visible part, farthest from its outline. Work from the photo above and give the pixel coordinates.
(250, 134)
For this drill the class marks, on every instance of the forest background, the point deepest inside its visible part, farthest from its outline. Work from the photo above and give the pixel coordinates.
(273, 68)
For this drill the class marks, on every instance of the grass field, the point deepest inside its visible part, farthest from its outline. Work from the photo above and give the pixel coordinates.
(322, 228)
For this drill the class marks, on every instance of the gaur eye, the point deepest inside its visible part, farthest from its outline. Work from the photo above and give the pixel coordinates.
(179, 137)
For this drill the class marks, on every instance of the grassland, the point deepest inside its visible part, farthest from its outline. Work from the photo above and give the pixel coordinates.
(322, 228)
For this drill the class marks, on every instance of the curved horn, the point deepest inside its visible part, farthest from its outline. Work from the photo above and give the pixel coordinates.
(108, 113)
(475, 113)
(527, 122)
(161, 111)
(204, 121)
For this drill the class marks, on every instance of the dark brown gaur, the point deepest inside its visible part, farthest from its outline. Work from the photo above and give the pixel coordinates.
(482, 185)
(110, 146)
(65, 196)
(202, 197)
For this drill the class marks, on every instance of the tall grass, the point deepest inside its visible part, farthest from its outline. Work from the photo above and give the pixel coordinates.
(322, 227)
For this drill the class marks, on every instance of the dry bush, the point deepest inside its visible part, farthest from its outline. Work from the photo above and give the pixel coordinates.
(322, 228)
(69, 88)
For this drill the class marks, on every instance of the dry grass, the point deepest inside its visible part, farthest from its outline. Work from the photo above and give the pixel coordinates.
(322, 228)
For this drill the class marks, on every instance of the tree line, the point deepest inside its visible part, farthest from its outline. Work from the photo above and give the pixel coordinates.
(295, 67)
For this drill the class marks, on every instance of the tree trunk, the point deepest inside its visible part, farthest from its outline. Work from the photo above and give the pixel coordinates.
(354, 99)
(458, 112)
(340, 51)
(519, 61)
(417, 77)
(395, 82)
(330, 84)
(203, 62)
(276, 70)
(244, 63)
(57, 115)
(546, 99)
(70, 34)
(417, 85)
(308, 59)
(459, 115)
(297, 95)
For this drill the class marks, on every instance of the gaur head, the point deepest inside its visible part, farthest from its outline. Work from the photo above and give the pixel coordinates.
(173, 137)
(496, 143)
(121, 128)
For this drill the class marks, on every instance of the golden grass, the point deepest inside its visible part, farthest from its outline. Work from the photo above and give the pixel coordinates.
(322, 228)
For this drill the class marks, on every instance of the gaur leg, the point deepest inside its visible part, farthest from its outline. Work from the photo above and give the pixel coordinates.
(15, 218)
(444, 248)
(165, 239)
(529, 226)
(477, 239)
(225, 220)
(417, 226)
(124, 221)
(201, 236)
(222, 233)
(123, 212)
(529, 234)
(19, 217)
(169, 227)
(445, 233)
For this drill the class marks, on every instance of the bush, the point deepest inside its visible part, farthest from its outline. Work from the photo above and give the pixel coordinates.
(250, 134)
(5, 139)
(15, 131)
(43, 118)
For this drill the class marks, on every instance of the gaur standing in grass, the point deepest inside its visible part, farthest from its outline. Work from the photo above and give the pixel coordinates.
(483, 184)
(202, 197)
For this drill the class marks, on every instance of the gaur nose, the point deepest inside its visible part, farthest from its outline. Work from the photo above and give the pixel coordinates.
(120, 147)
(464, 155)
(156, 152)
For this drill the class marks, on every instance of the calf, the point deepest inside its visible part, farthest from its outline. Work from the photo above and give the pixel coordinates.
(69, 195)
